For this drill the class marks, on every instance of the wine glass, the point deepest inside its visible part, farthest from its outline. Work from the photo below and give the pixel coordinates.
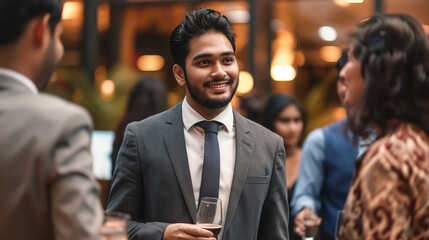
(311, 227)
(115, 226)
(338, 224)
(209, 214)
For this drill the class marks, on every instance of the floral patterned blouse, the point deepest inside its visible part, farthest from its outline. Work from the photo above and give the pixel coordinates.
(389, 198)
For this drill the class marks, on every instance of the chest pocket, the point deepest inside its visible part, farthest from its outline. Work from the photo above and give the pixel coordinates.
(258, 179)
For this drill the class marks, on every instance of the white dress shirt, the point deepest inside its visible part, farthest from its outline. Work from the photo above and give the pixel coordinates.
(194, 139)
(20, 78)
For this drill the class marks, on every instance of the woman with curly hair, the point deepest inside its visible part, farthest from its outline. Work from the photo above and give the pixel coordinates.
(388, 64)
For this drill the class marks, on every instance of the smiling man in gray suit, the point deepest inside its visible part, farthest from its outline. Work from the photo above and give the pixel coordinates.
(47, 189)
(160, 165)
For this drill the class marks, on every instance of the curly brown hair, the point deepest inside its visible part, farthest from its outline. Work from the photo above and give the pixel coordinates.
(394, 52)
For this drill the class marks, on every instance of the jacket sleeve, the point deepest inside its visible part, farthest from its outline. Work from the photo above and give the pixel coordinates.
(74, 193)
(127, 191)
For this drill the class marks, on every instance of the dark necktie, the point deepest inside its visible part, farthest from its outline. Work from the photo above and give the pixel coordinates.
(211, 166)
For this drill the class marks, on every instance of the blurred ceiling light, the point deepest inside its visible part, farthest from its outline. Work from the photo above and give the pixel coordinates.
(238, 16)
(72, 10)
(327, 33)
(330, 53)
(283, 73)
(107, 90)
(341, 3)
(150, 62)
(245, 84)
(354, 1)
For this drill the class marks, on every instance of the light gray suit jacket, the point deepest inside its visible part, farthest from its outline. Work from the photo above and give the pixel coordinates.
(152, 181)
(47, 188)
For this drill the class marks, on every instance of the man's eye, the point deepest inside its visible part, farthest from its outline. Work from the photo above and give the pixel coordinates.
(228, 60)
(204, 62)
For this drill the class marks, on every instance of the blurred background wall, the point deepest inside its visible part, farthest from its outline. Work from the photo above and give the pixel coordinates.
(287, 46)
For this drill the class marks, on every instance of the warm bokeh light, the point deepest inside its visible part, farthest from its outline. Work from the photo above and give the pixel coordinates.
(107, 90)
(341, 3)
(283, 73)
(72, 10)
(327, 33)
(339, 113)
(354, 1)
(238, 16)
(330, 53)
(426, 28)
(246, 83)
(150, 63)
(103, 17)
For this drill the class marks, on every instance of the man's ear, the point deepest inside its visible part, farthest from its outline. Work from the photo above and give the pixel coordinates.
(41, 30)
(179, 74)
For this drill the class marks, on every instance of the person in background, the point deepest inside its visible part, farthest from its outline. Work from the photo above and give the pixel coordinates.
(389, 64)
(47, 187)
(326, 171)
(147, 97)
(252, 107)
(159, 171)
(285, 116)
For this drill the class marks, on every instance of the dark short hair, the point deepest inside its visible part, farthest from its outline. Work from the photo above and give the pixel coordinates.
(394, 53)
(275, 105)
(16, 14)
(195, 24)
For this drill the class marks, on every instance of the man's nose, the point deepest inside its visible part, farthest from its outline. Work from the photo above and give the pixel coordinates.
(218, 71)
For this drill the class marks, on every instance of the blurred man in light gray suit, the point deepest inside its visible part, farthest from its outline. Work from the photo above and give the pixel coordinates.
(158, 174)
(47, 189)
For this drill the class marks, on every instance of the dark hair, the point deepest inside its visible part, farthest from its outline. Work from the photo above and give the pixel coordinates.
(394, 53)
(195, 24)
(16, 14)
(342, 60)
(275, 105)
(148, 97)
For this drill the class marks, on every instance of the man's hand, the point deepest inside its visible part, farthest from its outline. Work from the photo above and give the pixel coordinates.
(183, 231)
(299, 220)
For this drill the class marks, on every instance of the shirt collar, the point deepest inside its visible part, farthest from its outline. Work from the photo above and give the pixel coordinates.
(190, 116)
(20, 78)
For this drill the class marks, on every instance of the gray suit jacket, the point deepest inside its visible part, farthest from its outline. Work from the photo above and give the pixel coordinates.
(152, 181)
(47, 188)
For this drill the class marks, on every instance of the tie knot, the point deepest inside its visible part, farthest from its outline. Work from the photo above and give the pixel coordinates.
(209, 126)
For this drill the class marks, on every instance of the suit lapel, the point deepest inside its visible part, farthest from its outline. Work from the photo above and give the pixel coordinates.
(244, 150)
(176, 148)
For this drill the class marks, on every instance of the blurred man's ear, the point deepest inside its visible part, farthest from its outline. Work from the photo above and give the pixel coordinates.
(41, 32)
(179, 75)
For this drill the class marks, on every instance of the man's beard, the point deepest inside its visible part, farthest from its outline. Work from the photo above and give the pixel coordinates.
(207, 102)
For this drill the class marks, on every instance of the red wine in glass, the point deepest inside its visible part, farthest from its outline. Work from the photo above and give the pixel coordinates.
(214, 228)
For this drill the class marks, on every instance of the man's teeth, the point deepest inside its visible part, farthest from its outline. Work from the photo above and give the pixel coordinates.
(218, 85)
